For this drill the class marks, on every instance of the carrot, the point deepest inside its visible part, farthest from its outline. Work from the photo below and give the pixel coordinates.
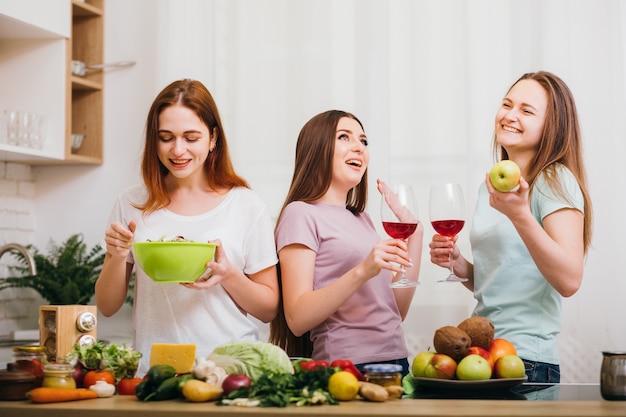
(55, 395)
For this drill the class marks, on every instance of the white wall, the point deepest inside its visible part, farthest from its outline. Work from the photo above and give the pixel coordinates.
(427, 106)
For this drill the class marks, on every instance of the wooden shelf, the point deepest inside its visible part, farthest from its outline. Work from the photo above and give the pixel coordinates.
(81, 8)
(85, 105)
(57, 33)
(79, 83)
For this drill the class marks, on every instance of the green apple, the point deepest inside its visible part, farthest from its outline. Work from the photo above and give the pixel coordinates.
(419, 363)
(441, 366)
(504, 175)
(473, 367)
(509, 366)
(477, 350)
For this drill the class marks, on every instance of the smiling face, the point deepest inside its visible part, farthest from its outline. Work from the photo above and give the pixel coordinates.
(351, 155)
(521, 117)
(184, 142)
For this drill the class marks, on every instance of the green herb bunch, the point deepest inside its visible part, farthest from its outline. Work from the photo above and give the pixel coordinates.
(67, 275)
(282, 389)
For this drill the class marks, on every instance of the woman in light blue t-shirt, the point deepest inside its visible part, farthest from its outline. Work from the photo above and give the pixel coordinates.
(529, 245)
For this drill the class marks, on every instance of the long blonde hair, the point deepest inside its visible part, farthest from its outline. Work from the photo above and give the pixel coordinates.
(560, 144)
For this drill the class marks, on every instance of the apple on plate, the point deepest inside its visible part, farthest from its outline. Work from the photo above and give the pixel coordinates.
(441, 366)
(509, 366)
(505, 175)
(418, 368)
(473, 367)
(500, 347)
(477, 350)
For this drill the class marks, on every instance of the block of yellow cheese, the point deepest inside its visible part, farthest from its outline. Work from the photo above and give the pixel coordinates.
(180, 355)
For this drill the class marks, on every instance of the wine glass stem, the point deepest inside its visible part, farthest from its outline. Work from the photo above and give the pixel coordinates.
(451, 261)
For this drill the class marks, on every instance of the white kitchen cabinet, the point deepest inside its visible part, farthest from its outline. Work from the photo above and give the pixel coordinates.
(38, 41)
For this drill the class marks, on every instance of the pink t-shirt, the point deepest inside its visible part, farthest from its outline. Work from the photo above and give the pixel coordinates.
(366, 328)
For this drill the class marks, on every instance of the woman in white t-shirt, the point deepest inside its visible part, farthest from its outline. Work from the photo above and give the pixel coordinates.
(191, 189)
(335, 270)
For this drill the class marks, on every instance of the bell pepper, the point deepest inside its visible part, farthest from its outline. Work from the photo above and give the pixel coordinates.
(347, 365)
(312, 365)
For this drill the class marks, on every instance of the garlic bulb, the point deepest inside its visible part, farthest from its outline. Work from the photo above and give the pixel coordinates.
(103, 389)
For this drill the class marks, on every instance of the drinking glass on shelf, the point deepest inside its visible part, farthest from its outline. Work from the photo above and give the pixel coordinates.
(13, 126)
(398, 209)
(447, 216)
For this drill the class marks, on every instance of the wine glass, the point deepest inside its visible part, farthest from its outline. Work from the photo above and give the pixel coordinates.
(447, 215)
(398, 209)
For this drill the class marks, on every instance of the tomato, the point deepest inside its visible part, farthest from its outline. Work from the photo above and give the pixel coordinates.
(126, 386)
(92, 377)
(312, 365)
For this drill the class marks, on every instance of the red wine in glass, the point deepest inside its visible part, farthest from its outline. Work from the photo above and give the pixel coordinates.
(448, 228)
(399, 230)
(447, 214)
(399, 216)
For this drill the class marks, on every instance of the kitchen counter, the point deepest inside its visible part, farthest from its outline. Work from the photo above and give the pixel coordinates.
(553, 401)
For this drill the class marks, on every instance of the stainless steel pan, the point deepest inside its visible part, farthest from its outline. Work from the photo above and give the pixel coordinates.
(80, 69)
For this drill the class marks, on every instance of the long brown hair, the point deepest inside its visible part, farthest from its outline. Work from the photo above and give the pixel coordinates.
(313, 172)
(218, 167)
(560, 143)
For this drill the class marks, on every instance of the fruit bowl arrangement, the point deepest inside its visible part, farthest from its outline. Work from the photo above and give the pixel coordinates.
(468, 355)
(174, 261)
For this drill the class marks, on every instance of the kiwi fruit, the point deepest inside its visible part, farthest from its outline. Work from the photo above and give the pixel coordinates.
(479, 329)
(452, 341)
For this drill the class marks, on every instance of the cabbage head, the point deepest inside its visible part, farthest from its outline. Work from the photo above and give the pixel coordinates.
(251, 358)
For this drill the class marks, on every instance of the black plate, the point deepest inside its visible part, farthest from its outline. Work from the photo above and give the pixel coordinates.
(458, 385)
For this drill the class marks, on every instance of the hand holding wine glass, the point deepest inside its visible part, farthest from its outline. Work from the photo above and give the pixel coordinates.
(447, 216)
(399, 215)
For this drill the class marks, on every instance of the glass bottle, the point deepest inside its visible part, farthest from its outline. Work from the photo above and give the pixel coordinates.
(31, 359)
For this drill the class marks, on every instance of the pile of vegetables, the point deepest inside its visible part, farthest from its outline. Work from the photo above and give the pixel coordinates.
(252, 374)
(121, 360)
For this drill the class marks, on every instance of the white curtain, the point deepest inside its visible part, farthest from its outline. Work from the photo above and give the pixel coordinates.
(425, 77)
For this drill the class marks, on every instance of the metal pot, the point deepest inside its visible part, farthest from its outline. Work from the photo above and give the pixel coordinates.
(613, 376)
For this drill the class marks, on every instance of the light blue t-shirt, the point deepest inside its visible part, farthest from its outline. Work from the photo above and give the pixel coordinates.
(524, 308)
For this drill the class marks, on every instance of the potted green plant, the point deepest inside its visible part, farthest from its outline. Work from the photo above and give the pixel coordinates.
(67, 275)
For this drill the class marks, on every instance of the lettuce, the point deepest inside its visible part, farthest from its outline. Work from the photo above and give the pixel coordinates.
(252, 359)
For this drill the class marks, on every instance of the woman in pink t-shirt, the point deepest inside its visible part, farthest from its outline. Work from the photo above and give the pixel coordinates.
(335, 269)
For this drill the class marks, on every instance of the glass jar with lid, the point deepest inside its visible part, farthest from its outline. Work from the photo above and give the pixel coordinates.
(30, 359)
(86, 322)
(385, 374)
(59, 375)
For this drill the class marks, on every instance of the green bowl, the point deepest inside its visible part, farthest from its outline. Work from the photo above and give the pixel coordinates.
(174, 261)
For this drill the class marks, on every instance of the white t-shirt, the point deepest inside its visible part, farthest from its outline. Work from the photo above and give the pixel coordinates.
(172, 313)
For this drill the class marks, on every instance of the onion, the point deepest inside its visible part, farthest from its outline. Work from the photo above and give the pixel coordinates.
(79, 376)
(235, 381)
